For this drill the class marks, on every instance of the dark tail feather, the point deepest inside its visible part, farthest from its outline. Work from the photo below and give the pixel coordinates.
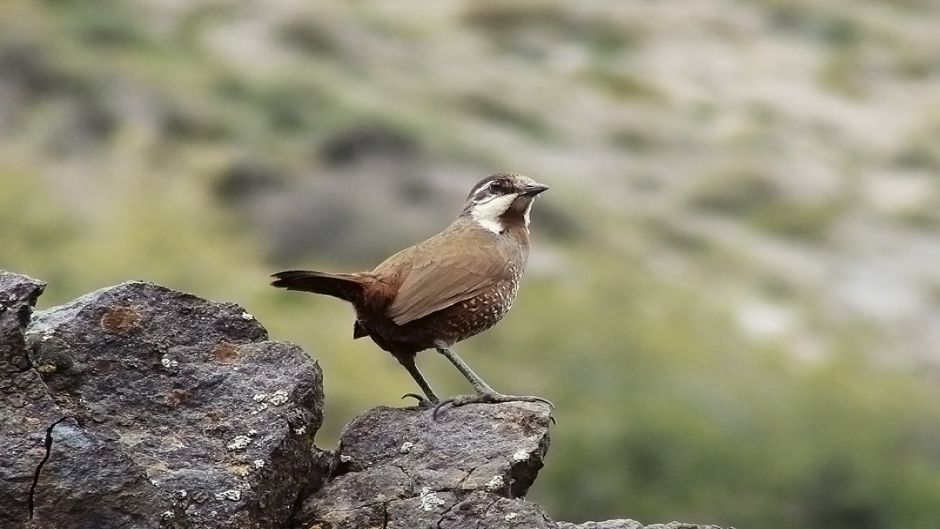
(342, 286)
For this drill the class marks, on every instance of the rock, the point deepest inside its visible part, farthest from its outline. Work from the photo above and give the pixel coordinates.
(140, 407)
(632, 524)
(400, 468)
(104, 489)
(163, 410)
(609, 524)
(25, 407)
(680, 525)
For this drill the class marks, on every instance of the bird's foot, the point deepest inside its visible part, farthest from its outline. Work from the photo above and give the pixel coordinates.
(485, 398)
(423, 402)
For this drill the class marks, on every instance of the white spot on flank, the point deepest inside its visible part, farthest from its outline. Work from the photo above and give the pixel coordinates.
(487, 213)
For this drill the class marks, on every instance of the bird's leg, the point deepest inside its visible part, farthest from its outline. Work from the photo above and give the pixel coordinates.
(429, 398)
(478, 383)
(485, 393)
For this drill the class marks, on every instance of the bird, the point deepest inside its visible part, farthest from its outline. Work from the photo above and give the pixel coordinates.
(445, 289)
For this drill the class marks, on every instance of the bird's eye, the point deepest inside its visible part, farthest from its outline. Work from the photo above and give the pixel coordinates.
(499, 186)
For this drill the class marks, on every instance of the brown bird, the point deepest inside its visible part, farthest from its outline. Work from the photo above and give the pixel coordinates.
(448, 288)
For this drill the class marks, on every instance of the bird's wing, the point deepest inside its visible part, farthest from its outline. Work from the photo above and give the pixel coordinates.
(445, 270)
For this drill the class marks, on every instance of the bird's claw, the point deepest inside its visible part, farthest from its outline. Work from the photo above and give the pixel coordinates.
(486, 398)
(423, 402)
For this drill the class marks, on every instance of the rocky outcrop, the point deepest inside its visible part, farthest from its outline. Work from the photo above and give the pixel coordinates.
(145, 407)
(632, 524)
(141, 407)
(400, 468)
(26, 409)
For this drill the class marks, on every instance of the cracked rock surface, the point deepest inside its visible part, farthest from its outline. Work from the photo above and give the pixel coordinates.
(398, 468)
(178, 413)
(102, 487)
(25, 407)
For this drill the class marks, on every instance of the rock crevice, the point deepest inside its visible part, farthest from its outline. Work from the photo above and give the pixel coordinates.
(47, 444)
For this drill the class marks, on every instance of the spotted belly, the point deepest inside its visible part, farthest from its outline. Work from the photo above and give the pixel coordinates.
(477, 314)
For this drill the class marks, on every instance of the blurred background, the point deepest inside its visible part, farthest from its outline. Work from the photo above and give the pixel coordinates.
(734, 292)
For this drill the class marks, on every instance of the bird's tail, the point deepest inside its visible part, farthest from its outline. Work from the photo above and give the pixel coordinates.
(347, 287)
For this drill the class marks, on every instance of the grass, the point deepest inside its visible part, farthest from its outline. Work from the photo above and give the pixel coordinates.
(760, 203)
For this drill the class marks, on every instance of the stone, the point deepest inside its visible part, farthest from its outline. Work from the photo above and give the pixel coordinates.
(401, 468)
(609, 524)
(26, 410)
(139, 394)
(99, 486)
(632, 524)
(680, 525)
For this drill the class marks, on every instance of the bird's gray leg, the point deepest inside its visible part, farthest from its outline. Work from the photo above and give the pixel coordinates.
(485, 393)
(478, 383)
(429, 399)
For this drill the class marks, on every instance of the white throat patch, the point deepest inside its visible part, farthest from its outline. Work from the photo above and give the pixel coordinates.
(527, 213)
(487, 213)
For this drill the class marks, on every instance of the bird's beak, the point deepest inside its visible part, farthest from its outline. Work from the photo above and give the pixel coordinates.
(532, 190)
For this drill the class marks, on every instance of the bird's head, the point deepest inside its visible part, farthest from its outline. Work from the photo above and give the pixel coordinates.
(501, 199)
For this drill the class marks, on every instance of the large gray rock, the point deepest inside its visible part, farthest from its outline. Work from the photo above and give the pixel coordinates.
(400, 468)
(25, 408)
(632, 524)
(177, 413)
(609, 524)
(32, 424)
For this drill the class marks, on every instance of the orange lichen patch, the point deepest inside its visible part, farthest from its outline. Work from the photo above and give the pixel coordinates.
(177, 396)
(120, 320)
(225, 353)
